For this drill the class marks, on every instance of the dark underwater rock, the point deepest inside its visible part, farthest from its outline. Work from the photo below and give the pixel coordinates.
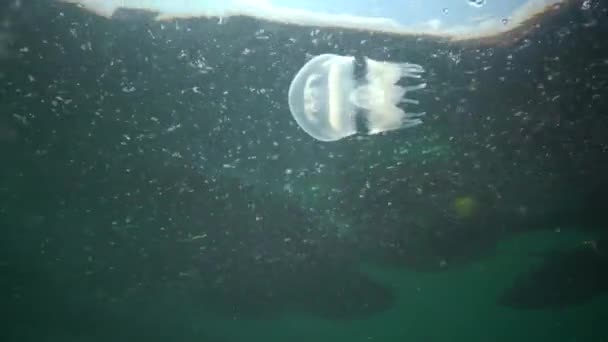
(563, 279)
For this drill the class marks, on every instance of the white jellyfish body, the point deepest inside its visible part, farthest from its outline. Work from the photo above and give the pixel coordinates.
(327, 100)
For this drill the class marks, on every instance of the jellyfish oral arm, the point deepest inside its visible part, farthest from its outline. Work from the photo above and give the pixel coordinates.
(383, 95)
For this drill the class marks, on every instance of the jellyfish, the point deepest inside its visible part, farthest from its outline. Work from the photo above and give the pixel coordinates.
(329, 103)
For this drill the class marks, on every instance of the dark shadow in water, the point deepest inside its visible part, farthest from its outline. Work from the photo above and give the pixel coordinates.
(563, 279)
(323, 292)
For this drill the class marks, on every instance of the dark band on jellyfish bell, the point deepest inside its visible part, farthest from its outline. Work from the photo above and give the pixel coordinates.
(359, 68)
(361, 121)
(359, 72)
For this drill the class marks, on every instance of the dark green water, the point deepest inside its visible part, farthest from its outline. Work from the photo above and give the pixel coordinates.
(154, 186)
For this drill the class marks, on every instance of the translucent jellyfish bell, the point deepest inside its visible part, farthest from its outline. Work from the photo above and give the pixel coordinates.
(327, 100)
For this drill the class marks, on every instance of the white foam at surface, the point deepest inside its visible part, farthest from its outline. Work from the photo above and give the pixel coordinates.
(265, 10)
